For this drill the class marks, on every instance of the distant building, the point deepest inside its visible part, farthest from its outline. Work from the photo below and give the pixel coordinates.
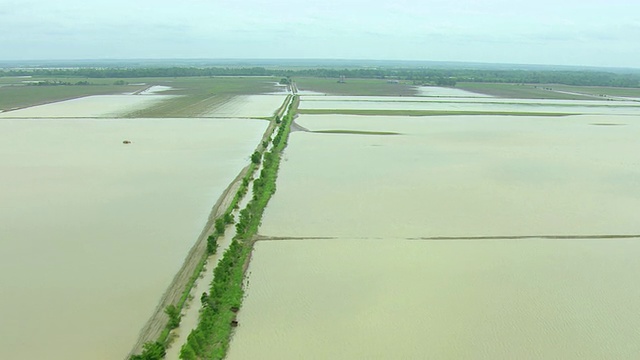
(342, 79)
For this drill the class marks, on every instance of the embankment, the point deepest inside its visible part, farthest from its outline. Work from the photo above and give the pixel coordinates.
(158, 321)
(210, 339)
(156, 330)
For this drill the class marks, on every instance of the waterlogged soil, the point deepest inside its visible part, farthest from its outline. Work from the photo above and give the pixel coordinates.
(444, 91)
(402, 299)
(98, 106)
(94, 230)
(249, 106)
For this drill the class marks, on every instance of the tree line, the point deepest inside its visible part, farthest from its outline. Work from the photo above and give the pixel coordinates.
(210, 339)
(418, 75)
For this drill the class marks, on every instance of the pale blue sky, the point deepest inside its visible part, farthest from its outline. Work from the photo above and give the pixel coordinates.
(561, 32)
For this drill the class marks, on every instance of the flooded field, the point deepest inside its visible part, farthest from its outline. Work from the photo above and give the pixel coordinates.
(403, 299)
(94, 230)
(451, 237)
(458, 176)
(98, 106)
(471, 104)
(309, 101)
(249, 106)
(444, 91)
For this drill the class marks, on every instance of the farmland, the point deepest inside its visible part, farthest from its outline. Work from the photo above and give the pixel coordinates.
(403, 213)
(108, 214)
(466, 236)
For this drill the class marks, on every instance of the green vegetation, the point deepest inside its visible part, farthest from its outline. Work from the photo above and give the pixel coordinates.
(600, 90)
(424, 112)
(198, 90)
(174, 316)
(210, 340)
(193, 95)
(256, 156)
(59, 83)
(198, 95)
(417, 75)
(170, 72)
(151, 349)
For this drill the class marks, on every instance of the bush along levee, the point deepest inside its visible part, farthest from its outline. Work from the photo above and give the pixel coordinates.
(212, 336)
(210, 339)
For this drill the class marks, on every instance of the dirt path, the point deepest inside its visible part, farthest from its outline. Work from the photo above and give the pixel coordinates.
(156, 324)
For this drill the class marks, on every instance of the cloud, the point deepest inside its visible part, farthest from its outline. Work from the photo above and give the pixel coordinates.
(463, 30)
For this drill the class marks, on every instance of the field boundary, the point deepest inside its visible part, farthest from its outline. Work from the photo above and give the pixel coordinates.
(156, 330)
(210, 339)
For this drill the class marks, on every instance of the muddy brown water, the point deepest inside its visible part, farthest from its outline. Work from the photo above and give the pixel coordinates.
(94, 230)
(375, 290)
(471, 104)
(97, 106)
(402, 299)
(249, 106)
(459, 176)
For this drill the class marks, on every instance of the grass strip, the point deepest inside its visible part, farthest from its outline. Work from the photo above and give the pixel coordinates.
(156, 350)
(369, 112)
(210, 339)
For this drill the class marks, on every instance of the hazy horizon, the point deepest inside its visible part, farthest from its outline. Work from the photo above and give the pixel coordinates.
(571, 33)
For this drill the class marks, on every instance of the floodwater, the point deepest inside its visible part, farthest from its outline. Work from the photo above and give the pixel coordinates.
(309, 100)
(249, 106)
(97, 106)
(94, 230)
(402, 299)
(472, 104)
(191, 312)
(445, 241)
(444, 91)
(459, 176)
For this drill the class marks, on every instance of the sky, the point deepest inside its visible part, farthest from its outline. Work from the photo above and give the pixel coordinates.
(554, 32)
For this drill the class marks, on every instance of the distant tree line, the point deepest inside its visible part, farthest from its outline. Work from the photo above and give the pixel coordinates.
(57, 83)
(417, 75)
(69, 83)
(141, 72)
